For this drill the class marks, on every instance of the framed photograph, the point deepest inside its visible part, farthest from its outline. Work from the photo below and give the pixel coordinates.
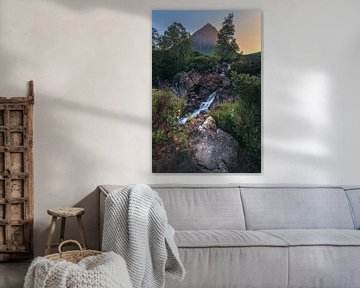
(206, 91)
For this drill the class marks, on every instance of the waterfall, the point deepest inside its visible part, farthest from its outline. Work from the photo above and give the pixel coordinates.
(204, 106)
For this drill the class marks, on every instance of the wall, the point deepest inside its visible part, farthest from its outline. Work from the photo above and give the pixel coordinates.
(91, 64)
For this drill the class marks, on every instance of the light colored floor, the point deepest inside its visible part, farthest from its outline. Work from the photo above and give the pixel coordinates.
(12, 274)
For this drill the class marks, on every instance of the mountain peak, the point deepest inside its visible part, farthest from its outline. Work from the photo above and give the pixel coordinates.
(204, 39)
(209, 25)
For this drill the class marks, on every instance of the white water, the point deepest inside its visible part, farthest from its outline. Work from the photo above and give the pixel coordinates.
(204, 106)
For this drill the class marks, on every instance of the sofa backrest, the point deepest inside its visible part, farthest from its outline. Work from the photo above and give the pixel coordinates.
(202, 208)
(296, 208)
(212, 207)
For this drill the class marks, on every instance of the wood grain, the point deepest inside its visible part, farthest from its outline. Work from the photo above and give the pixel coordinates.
(16, 177)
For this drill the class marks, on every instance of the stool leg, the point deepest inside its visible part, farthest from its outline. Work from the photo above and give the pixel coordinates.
(51, 235)
(62, 231)
(82, 232)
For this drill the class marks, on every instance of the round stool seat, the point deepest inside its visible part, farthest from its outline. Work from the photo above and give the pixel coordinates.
(66, 211)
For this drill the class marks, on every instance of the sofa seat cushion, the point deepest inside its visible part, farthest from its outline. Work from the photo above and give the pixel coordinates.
(226, 238)
(317, 237)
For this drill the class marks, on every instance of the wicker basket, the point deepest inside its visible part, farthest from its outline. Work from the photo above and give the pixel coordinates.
(72, 256)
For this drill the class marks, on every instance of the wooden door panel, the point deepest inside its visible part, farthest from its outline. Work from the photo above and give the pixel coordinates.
(16, 139)
(2, 113)
(16, 162)
(2, 211)
(17, 188)
(16, 118)
(2, 161)
(16, 177)
(2, 189)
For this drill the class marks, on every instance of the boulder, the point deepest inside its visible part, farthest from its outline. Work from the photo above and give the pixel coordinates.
(184, 83)
(214, 149)
(209, 83)
(209, 124)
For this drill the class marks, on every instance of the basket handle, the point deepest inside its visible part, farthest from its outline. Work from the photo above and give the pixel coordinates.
(69, 241)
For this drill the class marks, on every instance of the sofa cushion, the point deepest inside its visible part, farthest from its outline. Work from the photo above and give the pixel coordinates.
(226, 238)
(191, 207)
(220, 267)
(204, 208)
(296, 208)
(324, 266)
(317, 237)
(322, 258)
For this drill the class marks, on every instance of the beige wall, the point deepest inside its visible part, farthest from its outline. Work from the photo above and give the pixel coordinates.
(91, 63)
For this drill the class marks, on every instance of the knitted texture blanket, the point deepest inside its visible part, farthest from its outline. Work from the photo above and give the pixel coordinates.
(103, 271)
(136, 227)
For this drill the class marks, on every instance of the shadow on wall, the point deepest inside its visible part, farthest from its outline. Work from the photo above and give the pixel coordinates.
(134, 7)
(73, 164)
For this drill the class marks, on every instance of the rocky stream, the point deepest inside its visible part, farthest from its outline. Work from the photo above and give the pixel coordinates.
(214, 149)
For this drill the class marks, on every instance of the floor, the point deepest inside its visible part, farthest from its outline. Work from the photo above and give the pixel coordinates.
(12, 274)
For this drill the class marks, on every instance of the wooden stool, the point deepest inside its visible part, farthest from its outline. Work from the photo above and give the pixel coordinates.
(64, 213)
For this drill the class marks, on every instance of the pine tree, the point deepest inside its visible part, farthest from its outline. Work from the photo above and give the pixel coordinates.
(177, 46)
(226, 46)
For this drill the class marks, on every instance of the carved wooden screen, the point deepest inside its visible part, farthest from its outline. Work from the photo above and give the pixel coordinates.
(16, 177)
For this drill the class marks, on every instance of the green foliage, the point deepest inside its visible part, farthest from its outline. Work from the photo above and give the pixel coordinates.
(167, 109)
(170, 141)
(248, 87)
(158, 135)
(226, 46)
(163, 67)
(247, 65)
(226, 117)
(182, 138)
(202, 62)
(242, 118)
(171, 52)
(174, 37)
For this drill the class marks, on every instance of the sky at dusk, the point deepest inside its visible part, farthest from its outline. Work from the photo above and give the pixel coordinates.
(247, 24)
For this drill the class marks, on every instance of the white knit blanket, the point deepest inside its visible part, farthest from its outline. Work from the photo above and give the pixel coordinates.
(103, 271)
(136, 227)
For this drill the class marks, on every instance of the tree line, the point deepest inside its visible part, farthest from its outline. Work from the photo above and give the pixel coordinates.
(172, 52)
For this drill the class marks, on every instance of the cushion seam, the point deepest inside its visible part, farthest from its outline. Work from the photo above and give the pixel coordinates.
(288, 267)
(243, 209)
(310, 245)
(232, 246)
(271, 246)
(278, 237)
(351, 211)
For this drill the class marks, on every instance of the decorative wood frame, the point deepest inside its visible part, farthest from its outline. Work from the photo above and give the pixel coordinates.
(16, 177)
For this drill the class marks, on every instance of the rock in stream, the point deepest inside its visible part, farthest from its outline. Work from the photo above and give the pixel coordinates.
(214, 150)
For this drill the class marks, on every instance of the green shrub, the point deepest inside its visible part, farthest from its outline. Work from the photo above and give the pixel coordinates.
(242, 118)
(158, 136)
(248, 87)
(164, 66)
(202, 62)
(242, 122)
(182, 139)
(225, 117)
(171, 151)
(246, 65)
(167, 109)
